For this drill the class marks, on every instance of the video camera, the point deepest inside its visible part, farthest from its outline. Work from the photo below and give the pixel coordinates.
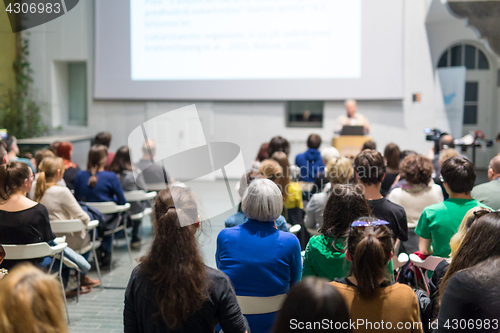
(434, 135)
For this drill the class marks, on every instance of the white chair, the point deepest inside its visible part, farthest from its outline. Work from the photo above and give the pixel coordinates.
(294, 229)
(111, 207)
(156, 186)
(138, 196)
(75, 225)
(251, 305)
(429, 264)
(39, 250)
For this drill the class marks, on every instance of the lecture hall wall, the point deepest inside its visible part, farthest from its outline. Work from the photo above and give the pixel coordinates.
(248, 124)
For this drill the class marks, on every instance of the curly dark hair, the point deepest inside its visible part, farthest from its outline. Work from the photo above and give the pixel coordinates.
(417, 169)
(174, 264)
(345, 204)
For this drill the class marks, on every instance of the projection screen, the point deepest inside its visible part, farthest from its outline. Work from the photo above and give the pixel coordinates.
(248, 49)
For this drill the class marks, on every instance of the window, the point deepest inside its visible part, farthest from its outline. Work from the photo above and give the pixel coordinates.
(470, 104)
(305, 114)
(77, 93)
(464, 55)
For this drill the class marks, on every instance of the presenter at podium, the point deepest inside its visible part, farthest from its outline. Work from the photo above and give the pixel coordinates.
(352, 118)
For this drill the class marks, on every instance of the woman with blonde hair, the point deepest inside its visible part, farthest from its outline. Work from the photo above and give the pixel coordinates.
(31, 301)
(273, 171)
(338, 171)
(62, 205)
(292, 193)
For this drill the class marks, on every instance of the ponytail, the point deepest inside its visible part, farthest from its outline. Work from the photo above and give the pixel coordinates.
(12, 177)
(48, 169)
(41, 186)
(370, 251)
(93, 178)
(96, 159)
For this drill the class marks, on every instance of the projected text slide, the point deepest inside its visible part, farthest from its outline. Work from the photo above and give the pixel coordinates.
(245, 39)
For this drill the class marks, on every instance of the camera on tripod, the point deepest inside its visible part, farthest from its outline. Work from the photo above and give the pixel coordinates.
(434, 135)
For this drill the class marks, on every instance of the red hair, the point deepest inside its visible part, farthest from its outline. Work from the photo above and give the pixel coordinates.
(64, 150)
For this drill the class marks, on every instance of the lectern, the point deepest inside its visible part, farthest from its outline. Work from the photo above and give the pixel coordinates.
(350, 145)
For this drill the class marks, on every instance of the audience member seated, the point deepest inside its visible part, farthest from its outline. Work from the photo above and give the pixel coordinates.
(278, 143)
(369, 170)
(469, 290)
(273, 171)
(260, 260)
(3, 153)
(370, 144)
(171, 290)
(369, 294)
(437, 275)
(13, 150)
(310, 164)
(418, 193)
(322, 184)
(292, 193)
(439, 222)
(489, 193)
(104, 138)
(152, 172)
(31, 301)
(339, 171)
(97, 185)
(443, 156)
(65, 151)
(53, 147)
(62, 205)
(239, 217)
(39, 156)
(309, 304)
(122, 166)
(23, 221)
(392, 155)
(446, 142)
(325, 254)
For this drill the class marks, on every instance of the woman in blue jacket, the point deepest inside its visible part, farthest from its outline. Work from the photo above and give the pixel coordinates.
(260, 260)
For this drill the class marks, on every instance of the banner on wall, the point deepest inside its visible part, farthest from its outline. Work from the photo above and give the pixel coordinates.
(450, 95)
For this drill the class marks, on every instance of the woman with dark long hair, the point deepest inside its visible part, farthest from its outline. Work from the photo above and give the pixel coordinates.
(65, 151)
(469, 291)
(308, 305)
(122, 166)
(171, 290)
(368, 291)
(325, 253)
(392, 155)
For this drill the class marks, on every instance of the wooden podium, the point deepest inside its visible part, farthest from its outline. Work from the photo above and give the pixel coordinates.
(350, 145)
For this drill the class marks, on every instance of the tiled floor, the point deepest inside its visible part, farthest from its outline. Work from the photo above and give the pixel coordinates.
(102, 311)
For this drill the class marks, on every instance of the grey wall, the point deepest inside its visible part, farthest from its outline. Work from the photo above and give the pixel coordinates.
(249, 124)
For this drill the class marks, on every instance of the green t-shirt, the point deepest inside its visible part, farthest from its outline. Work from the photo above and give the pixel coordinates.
(439, 222)
(322, 260)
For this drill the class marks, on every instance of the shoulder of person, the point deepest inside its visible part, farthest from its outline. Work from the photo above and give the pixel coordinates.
(395, 206)
(41, 208)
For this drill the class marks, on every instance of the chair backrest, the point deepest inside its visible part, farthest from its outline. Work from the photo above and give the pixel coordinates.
(65, 226)
(139, 195)
(156, 186)
(32, 251)
(259, 305)
(429, 263)
(108, 207)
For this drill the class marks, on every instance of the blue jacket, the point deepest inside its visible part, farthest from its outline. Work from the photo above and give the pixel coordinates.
(107, 188)
(260, 261)
(310, 164)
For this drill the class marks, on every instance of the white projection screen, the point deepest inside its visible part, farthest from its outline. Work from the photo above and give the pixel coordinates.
(248, 49)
